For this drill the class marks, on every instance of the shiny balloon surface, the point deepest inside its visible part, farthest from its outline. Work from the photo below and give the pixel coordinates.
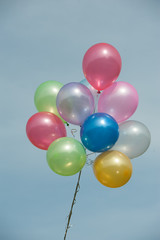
(120, 100)
(75, 103)
(101, 65)
(99, 132)
(66, 156)
(45, 97)
(134, 138)
(112, 169)
(43, 128)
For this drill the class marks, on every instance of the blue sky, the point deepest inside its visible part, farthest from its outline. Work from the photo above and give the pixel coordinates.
(46, 40)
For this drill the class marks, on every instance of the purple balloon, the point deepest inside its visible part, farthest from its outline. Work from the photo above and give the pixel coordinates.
(75, 103)
(120, 100)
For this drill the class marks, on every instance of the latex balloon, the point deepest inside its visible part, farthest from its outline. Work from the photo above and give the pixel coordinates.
(101, 65)
(112, 169)
(45, 97)
(75, 103)
(92, 89)
(120, 100)
(99, 132)
(66, 156)
(43, 128)
(134, 139)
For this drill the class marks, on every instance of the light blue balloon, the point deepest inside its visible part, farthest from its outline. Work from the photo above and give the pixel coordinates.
(88, 85)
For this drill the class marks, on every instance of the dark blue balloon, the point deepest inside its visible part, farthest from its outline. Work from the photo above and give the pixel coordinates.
(99, 132)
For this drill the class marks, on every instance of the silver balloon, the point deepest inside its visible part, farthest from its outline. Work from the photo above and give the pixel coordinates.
(134, 139)
(75, 103)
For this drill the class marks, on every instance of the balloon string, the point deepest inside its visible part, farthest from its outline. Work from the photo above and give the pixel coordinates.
(96, 99)
(73, 131)
(73, 203)
(89, 161)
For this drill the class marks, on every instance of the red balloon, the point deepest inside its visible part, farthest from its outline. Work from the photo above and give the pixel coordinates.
(43, 128)
(101, 65)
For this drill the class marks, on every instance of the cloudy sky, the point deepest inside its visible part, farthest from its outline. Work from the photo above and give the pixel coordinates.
(46, 40)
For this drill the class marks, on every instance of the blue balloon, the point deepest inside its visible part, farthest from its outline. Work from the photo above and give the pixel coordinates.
(99, 132)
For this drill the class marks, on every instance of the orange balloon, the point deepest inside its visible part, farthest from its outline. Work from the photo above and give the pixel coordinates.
(112, 168)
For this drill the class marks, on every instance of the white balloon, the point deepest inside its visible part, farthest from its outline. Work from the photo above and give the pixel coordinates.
(134, 139)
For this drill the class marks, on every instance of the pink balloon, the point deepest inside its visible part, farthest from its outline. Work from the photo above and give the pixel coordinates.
(101, 65)
(43, 128)
(120, 100)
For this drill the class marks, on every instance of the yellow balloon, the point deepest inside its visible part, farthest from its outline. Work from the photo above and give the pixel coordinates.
(112, 168)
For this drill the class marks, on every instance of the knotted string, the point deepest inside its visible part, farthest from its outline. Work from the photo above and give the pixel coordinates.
(73, 203)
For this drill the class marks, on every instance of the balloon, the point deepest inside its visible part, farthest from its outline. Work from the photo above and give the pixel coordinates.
(99, 132)
(66, 156)
(134, 139)
(75, 103)
(45, 97)
(92, 89)
(101, 65)
(43, 128)
(112, 169)
(120, 100)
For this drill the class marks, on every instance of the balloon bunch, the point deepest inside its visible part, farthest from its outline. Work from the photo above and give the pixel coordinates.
(106, 131)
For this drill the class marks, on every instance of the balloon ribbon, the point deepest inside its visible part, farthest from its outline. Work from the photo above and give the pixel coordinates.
(73, 203)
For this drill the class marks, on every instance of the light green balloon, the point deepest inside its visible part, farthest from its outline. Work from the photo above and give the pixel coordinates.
(66, 156)
(45, 97)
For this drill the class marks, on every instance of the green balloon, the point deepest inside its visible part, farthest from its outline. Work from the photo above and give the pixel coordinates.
(45, 97)
(66, 156)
